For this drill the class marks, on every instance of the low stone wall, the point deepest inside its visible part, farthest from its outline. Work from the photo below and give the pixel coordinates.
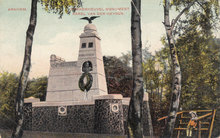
(107, 114)
(78, 119)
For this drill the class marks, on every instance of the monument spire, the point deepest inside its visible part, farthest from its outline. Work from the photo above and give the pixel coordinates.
(66, 79)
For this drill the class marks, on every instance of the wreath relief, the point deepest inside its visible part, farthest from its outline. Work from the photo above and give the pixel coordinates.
(86, 76)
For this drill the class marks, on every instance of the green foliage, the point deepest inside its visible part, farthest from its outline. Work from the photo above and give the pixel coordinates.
(85, 86)
(199, 60)
(118, 76)
(212, 6)
(199, 55)
(8, 86)
(61, 6)
(158, 109)
(203, 16)
(37, 88)
(126, 58)
(8, 90)
(157, 82)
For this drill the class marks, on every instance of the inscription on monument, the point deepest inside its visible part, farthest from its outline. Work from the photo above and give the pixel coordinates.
(64, 64)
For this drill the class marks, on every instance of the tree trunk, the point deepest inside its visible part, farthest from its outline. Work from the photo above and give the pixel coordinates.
(136, 103)
(149, 119)
(176, 84)
(151, 90)
(161, 89)
(158, 90)
(19, 114)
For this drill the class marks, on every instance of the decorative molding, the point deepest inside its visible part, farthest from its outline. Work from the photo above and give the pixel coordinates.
(62, 110)
(114, 107)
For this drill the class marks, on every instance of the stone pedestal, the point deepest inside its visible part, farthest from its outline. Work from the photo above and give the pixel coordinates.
(109, 114)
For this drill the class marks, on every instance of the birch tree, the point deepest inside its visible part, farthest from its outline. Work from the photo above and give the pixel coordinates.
(19, 113)
(136, 102)
(176, 82)
(204, 6)
(50, 5)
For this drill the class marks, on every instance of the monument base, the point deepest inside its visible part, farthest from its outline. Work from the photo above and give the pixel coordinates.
(105, 114)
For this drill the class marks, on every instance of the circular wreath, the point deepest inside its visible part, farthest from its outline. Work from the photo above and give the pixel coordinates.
(62, 110)
(88, 84)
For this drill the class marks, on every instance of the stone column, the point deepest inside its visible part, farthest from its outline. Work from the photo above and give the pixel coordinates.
(109, 114)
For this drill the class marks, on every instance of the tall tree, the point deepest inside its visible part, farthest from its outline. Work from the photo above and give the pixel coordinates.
(58, 7)
(19, 115)
(136, 102)
(206, 16)
(176, 84)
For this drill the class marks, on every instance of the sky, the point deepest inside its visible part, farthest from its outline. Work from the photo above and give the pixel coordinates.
(61, 36)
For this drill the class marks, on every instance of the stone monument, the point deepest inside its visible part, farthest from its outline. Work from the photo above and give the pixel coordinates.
(66, 109)
(64, 76)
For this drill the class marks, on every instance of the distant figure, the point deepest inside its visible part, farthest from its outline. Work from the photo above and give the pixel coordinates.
(192, 124)
(89, 19)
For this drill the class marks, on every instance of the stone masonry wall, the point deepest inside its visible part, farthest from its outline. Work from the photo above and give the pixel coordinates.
(101, 117)
(27, 116)
(109, 116)
(79, 119)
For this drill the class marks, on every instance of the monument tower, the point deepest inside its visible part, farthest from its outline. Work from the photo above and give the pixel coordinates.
(64, 76)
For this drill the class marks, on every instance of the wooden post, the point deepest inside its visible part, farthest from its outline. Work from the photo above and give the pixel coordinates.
(211, 126)
(199, 130)
(178, 134)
